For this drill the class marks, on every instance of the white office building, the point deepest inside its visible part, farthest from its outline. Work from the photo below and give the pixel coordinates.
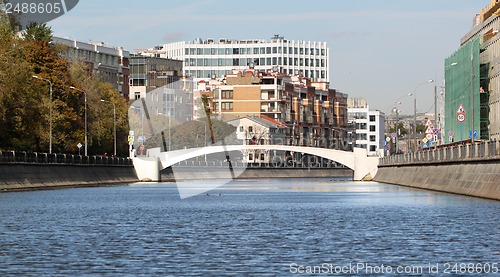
(209, 58)
(368, 125)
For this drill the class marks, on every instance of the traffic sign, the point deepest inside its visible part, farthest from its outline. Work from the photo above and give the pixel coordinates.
(429, 130)
(435, 131)
(428, 123)
(425, 140)
(450, 133)
(131, 139)
(393, 135)
(429, 136)
(461, 109)
(461, 117)
(79, 145)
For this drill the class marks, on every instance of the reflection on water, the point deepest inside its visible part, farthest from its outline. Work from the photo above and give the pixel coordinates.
(255, 226)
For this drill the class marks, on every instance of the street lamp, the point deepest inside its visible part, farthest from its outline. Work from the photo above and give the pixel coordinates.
(85, 93)
(415, 111)
(114, 121)
(50, 111)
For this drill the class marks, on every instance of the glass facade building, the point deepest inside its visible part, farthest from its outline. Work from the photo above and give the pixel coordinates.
(204, 59)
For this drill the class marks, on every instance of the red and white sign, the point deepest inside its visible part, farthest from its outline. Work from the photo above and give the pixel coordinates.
(461, 109)
(461, 117)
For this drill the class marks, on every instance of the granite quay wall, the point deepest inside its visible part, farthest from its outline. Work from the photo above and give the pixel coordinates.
(469, 169)
(253, 172)
(30, 171)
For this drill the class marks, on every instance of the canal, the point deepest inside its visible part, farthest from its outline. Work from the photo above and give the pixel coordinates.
(263, 227)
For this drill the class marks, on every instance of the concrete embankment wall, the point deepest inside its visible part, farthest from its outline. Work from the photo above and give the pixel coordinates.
(28, 176)
(253, 173)
(478, 178)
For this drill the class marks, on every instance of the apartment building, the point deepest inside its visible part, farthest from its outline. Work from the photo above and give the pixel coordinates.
(262, 130)
(149, 73)
(209, 58)
(367, 126)
(314, 114)
(109, 62)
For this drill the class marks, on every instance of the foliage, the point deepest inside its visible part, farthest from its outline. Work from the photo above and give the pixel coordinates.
(25, 101)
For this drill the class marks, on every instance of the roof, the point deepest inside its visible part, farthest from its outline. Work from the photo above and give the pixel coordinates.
(266, 122)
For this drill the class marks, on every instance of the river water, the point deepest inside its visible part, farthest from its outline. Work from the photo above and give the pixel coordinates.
(265, 227)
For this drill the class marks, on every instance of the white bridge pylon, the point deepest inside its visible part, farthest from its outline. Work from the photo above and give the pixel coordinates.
(364, 167)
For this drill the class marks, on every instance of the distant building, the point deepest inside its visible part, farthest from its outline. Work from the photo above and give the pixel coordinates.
(110, 63)
(367, 126)
(209, 58)
(149, 73)
(314, 114)
(479, 96)
(260, 131)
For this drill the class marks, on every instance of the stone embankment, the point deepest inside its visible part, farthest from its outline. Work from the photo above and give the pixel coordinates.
(30, 171)
(193, 172)
(469, 169)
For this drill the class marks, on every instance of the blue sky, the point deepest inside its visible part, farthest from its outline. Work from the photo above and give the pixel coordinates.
(379, 50)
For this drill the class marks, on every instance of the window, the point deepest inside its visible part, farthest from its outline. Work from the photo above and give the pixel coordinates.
(227, 106)
(372, 138)
(236, 51)
(372, 128)
(275, 50)
(373, 148)
(256, 50)
(227, 94)
(250, 129)
(268, 50)
(261, 156)
(250, 156)
(372, 118)
(241, 129)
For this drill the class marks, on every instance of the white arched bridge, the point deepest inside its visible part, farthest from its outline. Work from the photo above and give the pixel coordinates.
(148, 167)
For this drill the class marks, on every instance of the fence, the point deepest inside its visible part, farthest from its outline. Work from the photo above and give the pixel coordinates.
(45, 158)
(482, 150)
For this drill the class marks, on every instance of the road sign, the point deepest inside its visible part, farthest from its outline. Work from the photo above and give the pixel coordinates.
(461, 109)
(79, 145)
(393, 135)
(131, 138)
(388, 139)
(461, 117)
(450, 133)
(425, 140)
(435, 131)
(429, 130)
(428, 123)
(429, 136)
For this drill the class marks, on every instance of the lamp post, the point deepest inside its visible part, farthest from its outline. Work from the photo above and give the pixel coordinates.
(85, 95)
(114, 122)
(50, 111)
(415, 111)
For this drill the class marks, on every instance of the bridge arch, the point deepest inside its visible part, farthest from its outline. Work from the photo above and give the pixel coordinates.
(343, 157)
(149, 167)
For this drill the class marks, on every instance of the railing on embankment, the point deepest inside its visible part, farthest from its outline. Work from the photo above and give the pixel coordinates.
(27, 171)
(469, 169)
(46, 158)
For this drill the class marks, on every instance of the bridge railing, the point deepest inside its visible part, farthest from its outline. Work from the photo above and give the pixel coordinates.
(482, 150)
(46, 158)
(239, 164)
